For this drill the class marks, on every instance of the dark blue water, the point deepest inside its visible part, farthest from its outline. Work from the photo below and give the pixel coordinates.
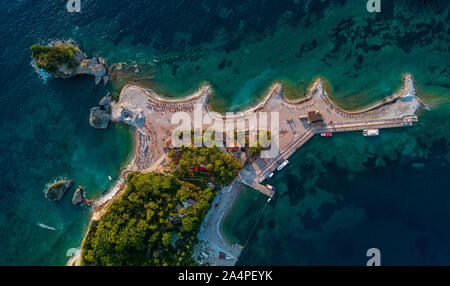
(45, 134)
(326, 211)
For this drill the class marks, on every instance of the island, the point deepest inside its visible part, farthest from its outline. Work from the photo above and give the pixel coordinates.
(64, 59)
(187, 229)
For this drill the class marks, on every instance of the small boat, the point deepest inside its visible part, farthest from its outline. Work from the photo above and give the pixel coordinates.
(371, 132)
(270, 175)
(326, 134)
(283, 165)
(109, 177)
(46, 226)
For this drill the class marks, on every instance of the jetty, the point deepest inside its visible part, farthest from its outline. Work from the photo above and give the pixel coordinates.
(248, 178)
(297, 122)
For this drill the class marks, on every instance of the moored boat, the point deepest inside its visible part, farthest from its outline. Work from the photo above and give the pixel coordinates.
(282, 165)
(269, 187)
(371, 132)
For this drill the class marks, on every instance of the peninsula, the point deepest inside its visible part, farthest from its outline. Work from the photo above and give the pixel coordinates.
(298, 121)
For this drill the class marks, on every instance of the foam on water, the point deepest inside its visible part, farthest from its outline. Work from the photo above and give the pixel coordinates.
(46, 226)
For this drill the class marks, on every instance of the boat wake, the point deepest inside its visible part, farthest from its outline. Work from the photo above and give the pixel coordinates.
(46, 226)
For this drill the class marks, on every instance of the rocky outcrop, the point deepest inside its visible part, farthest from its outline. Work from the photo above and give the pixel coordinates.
(56, 191)
(99, 118)
(105, 103)
(78, 196)
(96, 67)
(128, 113)
(105, 79)
(101, 115)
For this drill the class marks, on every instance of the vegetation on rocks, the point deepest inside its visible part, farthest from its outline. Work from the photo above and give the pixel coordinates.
(49, 58)
(156, 220)
(220, 167)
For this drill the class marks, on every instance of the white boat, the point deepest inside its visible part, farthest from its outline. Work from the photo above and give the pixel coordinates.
(371, 132)
(270, 175)
(109, 177)
(283, 165)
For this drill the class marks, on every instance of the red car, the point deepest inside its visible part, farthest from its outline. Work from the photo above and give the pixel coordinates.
(326, 134)
(200, 169)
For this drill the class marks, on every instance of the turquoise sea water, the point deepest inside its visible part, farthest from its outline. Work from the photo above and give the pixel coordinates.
(335, 199)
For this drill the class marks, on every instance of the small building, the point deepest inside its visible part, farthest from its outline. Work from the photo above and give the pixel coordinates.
(233, 146)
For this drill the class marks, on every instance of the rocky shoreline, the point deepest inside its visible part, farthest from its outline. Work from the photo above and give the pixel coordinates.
(131, 115)
(96, 66)
(101, 115)
(57, 190)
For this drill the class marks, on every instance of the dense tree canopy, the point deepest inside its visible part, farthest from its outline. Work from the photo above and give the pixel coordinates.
(220, 166)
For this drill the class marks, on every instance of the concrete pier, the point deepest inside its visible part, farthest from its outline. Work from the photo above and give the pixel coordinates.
(249, 179)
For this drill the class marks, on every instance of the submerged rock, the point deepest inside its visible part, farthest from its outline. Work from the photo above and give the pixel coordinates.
(56, 191)
(78, 196)
(105, 79)
(96, 67)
